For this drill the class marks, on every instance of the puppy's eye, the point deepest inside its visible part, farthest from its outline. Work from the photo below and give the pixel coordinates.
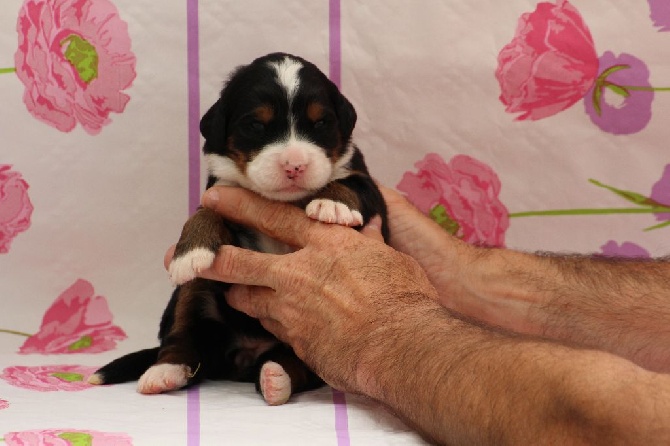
(257, 126)
(320, 123)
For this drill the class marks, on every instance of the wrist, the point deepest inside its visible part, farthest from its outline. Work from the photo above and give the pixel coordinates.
(503, 288)
(393, 347)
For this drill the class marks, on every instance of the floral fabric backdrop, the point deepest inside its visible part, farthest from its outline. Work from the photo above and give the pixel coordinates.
(536, 125)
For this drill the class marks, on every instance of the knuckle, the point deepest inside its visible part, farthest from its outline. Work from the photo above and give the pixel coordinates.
(226, 264)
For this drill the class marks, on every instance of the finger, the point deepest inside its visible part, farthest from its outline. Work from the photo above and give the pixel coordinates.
(281, 221)
(255, 301)
(168, 256)
(374, 229)
(392, 196)
(238, 265)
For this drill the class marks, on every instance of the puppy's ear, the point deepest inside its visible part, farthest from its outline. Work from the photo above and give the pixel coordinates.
(213, 128)
(346, 115)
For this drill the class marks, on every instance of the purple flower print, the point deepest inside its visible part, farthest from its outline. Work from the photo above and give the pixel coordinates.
(620, 100)
(4, 404)
(660, 193)
(660, 14)
(626, 249)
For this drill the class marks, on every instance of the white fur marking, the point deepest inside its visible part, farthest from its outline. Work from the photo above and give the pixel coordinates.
(95, 379)
(340, 168)
(163, 378)
(268, 177)
(186, 267)
(287, 75)
(329, 211)
(275, 384)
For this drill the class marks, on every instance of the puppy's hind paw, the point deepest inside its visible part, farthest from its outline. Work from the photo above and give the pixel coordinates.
(187, 266)
(163, 378)
(96, 379)
(329, 211)
(275, 384)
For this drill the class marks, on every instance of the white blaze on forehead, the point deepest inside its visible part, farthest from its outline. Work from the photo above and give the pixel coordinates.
(287, 75)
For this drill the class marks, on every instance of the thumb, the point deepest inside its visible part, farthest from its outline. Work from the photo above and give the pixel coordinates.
(374, 229)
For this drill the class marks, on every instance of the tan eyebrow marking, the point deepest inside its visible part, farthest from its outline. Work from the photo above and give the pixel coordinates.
(264, 113)
(315, 111)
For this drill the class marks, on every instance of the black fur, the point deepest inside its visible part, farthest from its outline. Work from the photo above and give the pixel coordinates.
(198, 328)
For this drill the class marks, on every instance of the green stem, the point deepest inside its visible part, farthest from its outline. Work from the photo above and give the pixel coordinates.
(633, 88)
(605, 211)
(7, 70)
(20, 333)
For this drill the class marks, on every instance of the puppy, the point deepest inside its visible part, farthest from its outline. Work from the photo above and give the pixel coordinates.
(282, 129)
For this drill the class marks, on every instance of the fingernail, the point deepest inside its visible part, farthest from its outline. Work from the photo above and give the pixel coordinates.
(211, 198)
(375, 223)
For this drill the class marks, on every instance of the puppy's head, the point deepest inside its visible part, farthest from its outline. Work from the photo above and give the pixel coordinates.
(280, 128)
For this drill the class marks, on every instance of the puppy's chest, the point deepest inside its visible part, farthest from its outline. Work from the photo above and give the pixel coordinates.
(258, 241)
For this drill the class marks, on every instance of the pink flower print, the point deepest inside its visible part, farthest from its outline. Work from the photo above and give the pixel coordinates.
(620, 100)
(77, 322)
(50, 378)
(549, 65)
(15, 206)
(660, 193)
(4, 404)
(74, 59)
(66, 437)
(626, 249)
(660, 14)
(462, 196)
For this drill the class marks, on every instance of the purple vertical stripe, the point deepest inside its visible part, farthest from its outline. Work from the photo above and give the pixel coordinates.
(341, 418)
(334, 44)
(335, 72)
(193, 416)
(193, 56)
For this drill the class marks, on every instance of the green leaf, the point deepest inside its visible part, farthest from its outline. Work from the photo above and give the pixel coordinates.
(613, 69)
(621, 91)
(440, 215)
(601, 82)
(77, 438)
(658, 226)
(68, 376)
(82, 56)
(82, 343)
(597, 97)
(633, 197)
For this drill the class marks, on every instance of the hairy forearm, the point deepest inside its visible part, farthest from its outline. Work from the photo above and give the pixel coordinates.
(461, 384)
(616, 305)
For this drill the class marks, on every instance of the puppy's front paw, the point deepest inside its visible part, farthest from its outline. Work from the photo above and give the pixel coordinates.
(275, 384)
(163, 378)
(187, 266)
(329, 211)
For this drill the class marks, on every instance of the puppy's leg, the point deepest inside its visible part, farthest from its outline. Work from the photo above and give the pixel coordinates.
(336, 204)
(351, 201)
(200, 239)
(179, 359)
(282, 374)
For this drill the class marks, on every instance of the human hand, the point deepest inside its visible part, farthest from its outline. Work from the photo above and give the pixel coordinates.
(448, 261)
(336, 300)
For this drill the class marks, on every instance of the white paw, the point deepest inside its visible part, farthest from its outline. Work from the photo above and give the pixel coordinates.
(275, 384)
(186, 267)
(329, 211)
(96, 379)
(163, 378)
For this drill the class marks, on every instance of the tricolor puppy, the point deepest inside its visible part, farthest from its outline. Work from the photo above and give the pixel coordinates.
(282, 129)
